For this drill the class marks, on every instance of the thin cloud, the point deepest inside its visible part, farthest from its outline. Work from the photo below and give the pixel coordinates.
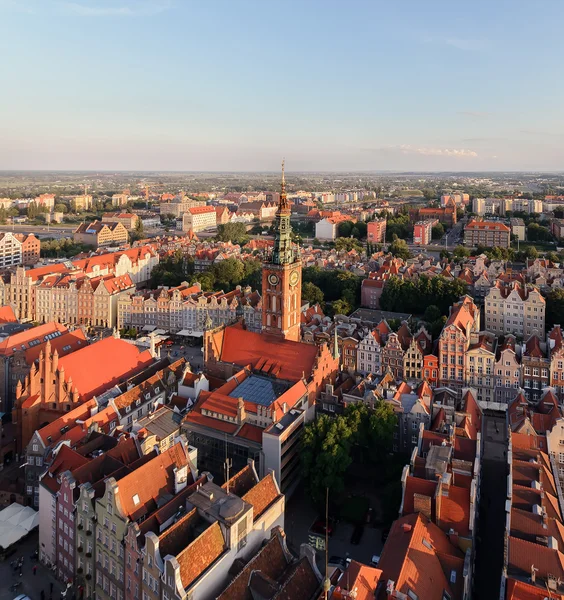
(454, 152)
(111, 9)
(408, 149)
(541, 133)
(476, 114)
(20, 6)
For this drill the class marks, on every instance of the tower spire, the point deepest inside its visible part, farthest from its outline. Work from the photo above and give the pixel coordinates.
(283, 204)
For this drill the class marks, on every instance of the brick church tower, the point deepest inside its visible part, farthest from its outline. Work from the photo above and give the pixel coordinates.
(282, 278)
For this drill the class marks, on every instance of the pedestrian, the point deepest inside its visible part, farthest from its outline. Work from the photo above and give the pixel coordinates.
(42, 595)
(51, 590)
(34, 569)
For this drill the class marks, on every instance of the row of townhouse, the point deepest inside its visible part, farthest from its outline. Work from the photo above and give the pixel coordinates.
(20, 290)
(187, 307)
(76, 299)
(533, 555)
(463, 356)
(124, 525)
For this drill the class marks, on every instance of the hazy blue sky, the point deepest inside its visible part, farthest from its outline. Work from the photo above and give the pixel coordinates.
(235, 84)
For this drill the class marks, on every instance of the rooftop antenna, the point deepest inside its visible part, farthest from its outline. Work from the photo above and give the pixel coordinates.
(228, 465)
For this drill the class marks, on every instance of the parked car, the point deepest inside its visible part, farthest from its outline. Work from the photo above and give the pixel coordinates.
(357, 535)
(385, 534)
(375, 560)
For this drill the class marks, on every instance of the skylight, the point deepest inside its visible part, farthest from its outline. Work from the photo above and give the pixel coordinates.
(136, 499)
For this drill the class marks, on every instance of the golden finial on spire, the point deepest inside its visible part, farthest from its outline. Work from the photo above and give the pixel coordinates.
(283, 179)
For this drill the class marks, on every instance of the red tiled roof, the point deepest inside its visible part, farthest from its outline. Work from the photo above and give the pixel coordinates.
(53, 430)
(262, 495)
(413, 556)
(73, 339)
(523, 555)
(198, 210)
(139, 491)
(198, 556)
(7, 315)
(286, 359)
(520, 590)
(251, 432)
(111, 360)
(23, 338)
(361, 578)
(489, 225)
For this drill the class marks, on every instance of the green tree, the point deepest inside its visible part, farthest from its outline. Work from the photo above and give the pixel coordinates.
(62, 208)
(555, 308)
(399, 248)
(311, 294)
(437, 231)
(432, 313)
(341, 307)
(228, 273)
(461, 252)
(347, 244)
(325, 456)
(345, 229)
(232, 232)
(138, 232)
(32, 210)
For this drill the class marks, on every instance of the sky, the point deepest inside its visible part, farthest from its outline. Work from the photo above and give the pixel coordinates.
(236, 84)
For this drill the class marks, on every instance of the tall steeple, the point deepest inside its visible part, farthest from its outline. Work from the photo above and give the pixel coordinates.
(282, 277)
(283, 252)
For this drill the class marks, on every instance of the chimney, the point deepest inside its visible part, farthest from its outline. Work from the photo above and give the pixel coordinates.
(180, 478)
(422, 504)
(406, 527)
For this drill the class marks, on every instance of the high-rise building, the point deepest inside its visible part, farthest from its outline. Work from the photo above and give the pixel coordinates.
(282, 278)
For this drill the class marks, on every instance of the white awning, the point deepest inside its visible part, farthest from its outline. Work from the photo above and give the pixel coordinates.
(159, 332)
(16, 521)
(149, 328)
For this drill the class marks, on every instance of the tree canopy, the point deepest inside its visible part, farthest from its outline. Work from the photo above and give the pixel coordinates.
(232, 232)
(555, 308)
(437, 231)
(329, 446)
(311, 294)
(399, 248)
(413, 296)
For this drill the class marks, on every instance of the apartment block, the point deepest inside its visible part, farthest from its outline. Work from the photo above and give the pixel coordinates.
(99, 234)
(376, 231)
(18, 249)
(128, 220)
(199, 218)
(423, 232)
(487, 233)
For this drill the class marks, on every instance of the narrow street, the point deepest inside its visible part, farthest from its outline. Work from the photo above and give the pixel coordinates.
(491, 523)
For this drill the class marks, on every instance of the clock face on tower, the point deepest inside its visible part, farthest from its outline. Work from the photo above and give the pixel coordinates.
(294, 278)
(273, 279)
